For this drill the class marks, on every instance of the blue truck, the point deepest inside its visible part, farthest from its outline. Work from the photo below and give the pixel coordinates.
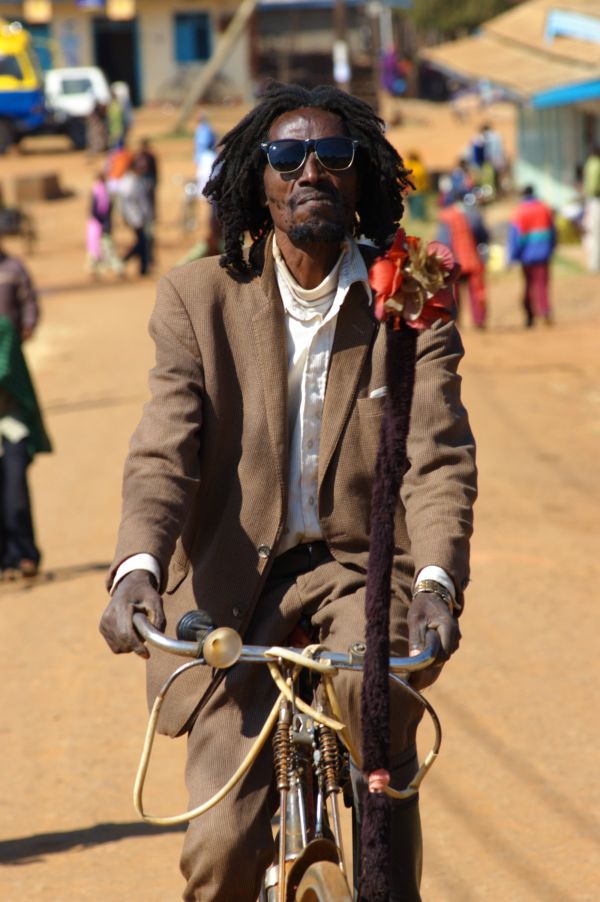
(32, 104)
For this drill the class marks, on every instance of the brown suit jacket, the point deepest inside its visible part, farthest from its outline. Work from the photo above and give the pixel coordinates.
(205, 482)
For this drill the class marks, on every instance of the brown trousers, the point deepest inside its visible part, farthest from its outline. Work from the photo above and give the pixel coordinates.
(227, 850)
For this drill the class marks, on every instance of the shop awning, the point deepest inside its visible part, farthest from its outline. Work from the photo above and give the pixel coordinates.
(516, 53)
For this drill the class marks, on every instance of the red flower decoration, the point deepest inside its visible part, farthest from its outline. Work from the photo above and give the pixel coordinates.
(414, 282)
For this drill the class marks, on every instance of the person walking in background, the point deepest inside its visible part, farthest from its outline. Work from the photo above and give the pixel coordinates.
(205, 142)
(462, 179)
(136, 210)
(204, 136)
(531, 242)
(22, 433)
(115, 121)
(149, 165)
(100, 246)
(485, 146)
(117, 164)
(121, 92)
(97, 130)
(393, 73)
(457, 232)
(143, 168)
(18, 298)
(495, 155)
(417, 199)
(477, 149)
(591, 217)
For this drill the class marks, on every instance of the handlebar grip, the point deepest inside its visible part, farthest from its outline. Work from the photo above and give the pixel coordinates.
(194, 626)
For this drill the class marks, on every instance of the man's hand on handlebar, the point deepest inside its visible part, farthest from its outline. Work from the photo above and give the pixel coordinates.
(135, 592)
(430, 612)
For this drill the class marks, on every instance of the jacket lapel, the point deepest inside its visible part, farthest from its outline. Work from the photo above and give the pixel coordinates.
(270, 343)
(354, 333)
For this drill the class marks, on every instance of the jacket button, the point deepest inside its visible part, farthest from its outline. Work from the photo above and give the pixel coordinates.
(237, 612)
(264, 551)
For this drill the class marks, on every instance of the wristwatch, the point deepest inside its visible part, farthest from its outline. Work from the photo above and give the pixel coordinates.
(432, 585)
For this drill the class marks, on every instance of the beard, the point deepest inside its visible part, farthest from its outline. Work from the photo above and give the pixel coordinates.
(316, 231)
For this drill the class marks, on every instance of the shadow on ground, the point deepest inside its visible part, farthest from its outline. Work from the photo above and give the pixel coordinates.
(56, 575)
(28, 849)
(75, 406)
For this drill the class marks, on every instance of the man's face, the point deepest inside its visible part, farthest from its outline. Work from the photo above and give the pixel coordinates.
(312, 204)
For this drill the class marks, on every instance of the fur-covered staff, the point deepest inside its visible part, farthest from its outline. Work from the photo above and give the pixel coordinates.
(391, 462)
(412, 290)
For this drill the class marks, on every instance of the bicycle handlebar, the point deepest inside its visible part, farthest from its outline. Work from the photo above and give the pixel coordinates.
(260, 654)
(222, 647)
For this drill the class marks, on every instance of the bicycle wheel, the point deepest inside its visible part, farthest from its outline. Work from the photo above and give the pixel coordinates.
(323, 882)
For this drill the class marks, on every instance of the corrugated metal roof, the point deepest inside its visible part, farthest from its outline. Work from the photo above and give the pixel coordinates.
(512, 51)
(520, 70)
(526, 25)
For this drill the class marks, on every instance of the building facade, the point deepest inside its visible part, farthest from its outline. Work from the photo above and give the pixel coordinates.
(156, 46)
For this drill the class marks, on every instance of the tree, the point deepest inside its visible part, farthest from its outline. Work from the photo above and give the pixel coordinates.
(450, 19)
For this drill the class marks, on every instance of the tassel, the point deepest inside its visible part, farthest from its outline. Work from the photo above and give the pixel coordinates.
(375, 847)
(375, 703)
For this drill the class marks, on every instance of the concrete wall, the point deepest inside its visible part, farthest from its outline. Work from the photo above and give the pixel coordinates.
(157, 46)
(550, 147)
(72, 33)
(160, 70)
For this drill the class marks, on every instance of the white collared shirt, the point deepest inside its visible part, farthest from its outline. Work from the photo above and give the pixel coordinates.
(311, 316)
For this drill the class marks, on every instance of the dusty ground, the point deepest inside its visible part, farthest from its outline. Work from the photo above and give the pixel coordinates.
(511, 809)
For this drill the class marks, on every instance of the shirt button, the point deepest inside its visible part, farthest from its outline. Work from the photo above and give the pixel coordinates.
(264, 551)
(311, 500)
(309, 443)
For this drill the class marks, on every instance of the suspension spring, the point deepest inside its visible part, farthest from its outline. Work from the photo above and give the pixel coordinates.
(282, 749)
(330, 758)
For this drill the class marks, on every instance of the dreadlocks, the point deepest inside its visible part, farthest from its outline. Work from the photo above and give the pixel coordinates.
(236, 181)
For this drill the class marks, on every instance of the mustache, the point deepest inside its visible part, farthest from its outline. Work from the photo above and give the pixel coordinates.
(324, 192)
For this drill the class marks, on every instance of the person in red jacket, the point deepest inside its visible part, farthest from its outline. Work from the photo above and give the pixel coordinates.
(531, 242)
(465, 234)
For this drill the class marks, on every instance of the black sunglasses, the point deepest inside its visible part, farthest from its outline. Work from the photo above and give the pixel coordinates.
(290, 154)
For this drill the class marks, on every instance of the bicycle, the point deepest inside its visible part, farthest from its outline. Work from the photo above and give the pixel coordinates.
(187, 218)
(306, 750)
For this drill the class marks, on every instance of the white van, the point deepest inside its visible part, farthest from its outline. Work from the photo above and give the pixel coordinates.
(74, 91)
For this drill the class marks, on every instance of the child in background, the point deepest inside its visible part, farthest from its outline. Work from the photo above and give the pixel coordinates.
(100, 246)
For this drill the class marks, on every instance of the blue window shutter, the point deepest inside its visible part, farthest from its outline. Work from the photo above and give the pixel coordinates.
(192, 37)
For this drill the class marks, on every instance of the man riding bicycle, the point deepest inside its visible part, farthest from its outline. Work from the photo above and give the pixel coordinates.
(248, 483)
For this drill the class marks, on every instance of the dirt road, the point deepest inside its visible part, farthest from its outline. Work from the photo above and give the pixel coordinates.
(511, 811)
